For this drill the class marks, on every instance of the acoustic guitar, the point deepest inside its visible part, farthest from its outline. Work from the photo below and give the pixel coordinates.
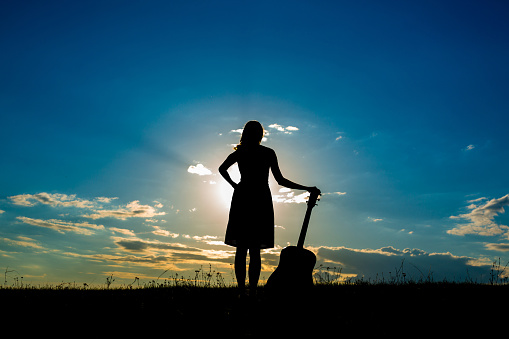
(296, 264)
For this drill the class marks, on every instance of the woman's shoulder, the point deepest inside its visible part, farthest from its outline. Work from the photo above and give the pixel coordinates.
(268, 152)
(266, 149)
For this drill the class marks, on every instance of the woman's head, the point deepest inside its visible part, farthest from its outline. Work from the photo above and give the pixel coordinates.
(252, 134)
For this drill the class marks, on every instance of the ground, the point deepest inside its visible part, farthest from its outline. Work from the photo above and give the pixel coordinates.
(196, 312)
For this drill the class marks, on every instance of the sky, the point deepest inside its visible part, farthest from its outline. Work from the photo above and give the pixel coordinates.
(115, 116)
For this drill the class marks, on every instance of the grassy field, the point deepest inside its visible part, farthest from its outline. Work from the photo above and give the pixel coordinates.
(327, 310)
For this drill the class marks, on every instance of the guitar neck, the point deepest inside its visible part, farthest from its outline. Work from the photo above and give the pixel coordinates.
(304, 229)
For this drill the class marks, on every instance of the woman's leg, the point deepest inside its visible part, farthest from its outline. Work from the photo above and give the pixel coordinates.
(240, 266)
(255, 266)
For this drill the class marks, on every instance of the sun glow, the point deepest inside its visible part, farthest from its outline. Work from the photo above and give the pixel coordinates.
(225, 191)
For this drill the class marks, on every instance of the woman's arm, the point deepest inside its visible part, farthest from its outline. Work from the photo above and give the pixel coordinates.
(276, 172)
(223, 169)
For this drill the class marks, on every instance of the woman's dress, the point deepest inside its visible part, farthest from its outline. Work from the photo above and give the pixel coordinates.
(251, 218)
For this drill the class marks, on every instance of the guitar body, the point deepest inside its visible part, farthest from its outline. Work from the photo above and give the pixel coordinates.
(296, 264)
(295, 269)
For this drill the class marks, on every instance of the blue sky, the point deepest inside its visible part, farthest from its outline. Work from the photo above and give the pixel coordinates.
(110, 110)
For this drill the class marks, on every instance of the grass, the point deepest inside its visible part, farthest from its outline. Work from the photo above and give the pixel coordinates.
(204, 305)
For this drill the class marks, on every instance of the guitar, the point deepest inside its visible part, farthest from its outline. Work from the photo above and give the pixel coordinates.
(296, 264)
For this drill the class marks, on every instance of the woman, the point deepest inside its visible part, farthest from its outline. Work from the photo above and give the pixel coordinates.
(251, 220)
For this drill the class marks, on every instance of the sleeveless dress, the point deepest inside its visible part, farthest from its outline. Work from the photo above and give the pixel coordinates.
(251, 217)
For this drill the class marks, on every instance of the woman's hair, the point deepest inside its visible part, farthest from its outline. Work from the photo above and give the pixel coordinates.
(251, 135)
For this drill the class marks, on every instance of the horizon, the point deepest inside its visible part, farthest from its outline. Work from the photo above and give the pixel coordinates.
(117, 115)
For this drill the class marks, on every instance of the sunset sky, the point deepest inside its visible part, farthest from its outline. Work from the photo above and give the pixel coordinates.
(115, 116)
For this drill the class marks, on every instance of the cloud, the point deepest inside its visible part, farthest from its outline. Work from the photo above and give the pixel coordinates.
(53, 200)
(164, 233)
(140, 245)
(105, 199)
(153, 253)
(287, 196)
(415, 263)
(62, 226)
(290, 197)
(501, 247)
(23, 242)
(333, 194)
(209, 239)
(469, 148)
(131, 210)
(286, 130)
(480, 220)
(374, 219)
(199, 169)
(1, 211)
(122, 231)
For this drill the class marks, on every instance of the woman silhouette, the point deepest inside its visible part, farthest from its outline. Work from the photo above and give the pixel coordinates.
(251, 220)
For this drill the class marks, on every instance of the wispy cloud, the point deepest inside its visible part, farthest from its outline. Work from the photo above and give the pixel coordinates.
(151, 253)
(105, 199)
(287, 196)
(208, 239)
(122, 231)
(23, 242)
(333, 194)
(165, 233)
(131, 210)
(480, 220)
(500, 247)
(52, 199)
(62, 226)
(199, 169)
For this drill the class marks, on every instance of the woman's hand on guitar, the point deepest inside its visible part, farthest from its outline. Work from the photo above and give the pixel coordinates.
(314, 189)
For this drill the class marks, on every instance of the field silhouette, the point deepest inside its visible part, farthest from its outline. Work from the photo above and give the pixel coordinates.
(197, 309)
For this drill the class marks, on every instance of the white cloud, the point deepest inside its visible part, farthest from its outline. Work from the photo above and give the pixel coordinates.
(54, 200)
(131, 210)
(277, 127)
(199, 169)
(290, 198)
(480, 220)
(2, 211)
(469, 148)
(62, 226)
(287, 196)
(374, 219)
(286, 130)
